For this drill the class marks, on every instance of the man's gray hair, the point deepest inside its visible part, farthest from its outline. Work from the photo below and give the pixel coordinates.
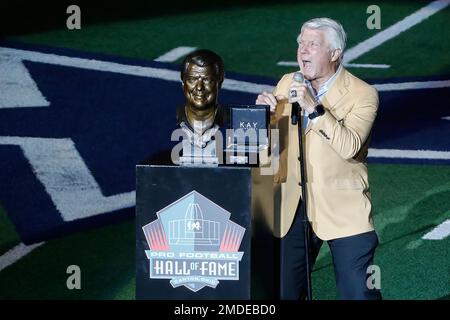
(335, 32)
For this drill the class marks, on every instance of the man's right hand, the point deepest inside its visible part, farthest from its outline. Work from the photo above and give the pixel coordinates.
(269, 99)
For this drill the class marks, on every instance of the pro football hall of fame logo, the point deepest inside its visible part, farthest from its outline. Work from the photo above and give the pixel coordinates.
(194, 243)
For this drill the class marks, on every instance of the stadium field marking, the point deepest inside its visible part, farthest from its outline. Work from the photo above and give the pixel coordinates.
(17, 88)
(440, 232)
(150, 72)
(348, 65)
(394, 30)
(412, 85)
(171, 75)
(66, 178)
(365, 65)
(409, 154)
(175, 54)
(17, 253)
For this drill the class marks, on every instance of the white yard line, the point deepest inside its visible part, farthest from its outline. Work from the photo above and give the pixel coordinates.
(348, 65)
(409, 154)
(287, 63)
(17, 253)
(440, 232)
(394, 30)
(367, 65)
(412, 85)
(175, 54)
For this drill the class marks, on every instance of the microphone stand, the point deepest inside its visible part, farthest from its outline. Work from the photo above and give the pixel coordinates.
(297, 118)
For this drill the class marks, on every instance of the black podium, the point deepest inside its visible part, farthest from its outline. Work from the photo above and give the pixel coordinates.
(204, 233)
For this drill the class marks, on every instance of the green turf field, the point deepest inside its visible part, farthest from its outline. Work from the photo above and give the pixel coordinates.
(409, 200)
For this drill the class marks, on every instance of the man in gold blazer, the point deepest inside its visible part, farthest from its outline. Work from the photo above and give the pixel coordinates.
(338, 111)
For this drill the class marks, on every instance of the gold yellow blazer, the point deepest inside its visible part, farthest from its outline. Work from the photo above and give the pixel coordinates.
(339, 203)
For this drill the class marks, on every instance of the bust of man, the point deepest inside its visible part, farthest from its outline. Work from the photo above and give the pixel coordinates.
(202, 75)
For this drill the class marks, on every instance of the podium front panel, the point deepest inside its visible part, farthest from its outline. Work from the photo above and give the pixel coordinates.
(193, 232)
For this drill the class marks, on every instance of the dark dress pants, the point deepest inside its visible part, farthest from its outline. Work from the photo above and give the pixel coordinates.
(351, 257)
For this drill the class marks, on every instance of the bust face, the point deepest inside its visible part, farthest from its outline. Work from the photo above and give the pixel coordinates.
(200, 87)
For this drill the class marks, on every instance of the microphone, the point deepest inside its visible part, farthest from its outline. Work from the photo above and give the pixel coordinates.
(298, 77)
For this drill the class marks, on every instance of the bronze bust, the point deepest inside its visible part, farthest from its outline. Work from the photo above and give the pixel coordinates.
(202, 75)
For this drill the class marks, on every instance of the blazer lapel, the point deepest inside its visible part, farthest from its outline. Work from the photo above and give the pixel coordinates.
(337, 91)
(339, 88)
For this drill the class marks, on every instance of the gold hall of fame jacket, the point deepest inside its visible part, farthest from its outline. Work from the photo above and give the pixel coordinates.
(336, 146)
